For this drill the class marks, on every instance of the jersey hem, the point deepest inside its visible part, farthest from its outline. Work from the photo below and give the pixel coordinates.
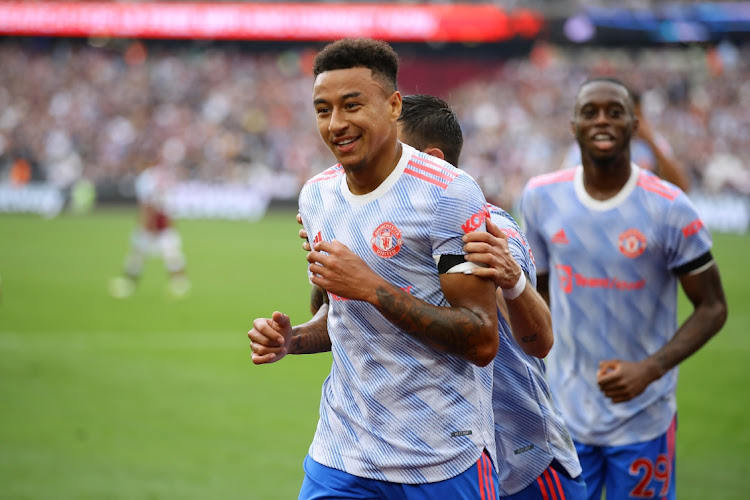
(431, 473)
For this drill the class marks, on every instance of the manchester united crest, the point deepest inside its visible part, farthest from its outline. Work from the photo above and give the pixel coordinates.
(386, 240)
(632, 243)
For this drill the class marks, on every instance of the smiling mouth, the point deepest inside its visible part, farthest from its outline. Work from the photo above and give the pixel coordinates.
(603, 141)
(345, 145)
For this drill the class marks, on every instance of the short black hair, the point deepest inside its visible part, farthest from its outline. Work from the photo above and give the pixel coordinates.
(346, 53)
(610, 79)
(429, 121)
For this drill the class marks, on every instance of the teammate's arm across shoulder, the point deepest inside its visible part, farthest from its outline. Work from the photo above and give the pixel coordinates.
(467, 329)
(622, 381)
(520, 303)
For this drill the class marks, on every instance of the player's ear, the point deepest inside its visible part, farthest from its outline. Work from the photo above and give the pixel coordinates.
(394, 103)
(573, 127)
(437, 152)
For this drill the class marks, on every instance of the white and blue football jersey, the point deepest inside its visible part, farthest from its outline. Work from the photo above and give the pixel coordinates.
(613, 272)
(393, 408)
(529, 429)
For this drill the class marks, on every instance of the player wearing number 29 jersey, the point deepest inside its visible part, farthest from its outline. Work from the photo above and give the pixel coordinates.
(612, 242)
(613, 270)
(392, 408)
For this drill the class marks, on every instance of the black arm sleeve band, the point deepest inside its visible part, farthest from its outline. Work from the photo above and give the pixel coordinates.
(447, 262)
(694, 264)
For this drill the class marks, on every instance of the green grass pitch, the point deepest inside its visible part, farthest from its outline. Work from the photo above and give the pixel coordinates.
(151, 398)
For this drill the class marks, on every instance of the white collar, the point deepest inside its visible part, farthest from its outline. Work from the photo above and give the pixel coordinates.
(362, 199)
(609, 203)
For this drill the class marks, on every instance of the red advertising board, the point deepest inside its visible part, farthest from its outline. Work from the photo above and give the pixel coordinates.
(269, 21)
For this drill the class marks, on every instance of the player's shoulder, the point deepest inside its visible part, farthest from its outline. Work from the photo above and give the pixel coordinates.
(328, 174)
(432, 171)
(501, 217)
(653, 186)
(505, 222)
(566, 175)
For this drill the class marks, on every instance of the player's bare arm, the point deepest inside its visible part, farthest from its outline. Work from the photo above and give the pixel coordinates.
(273, 338)
(622, 381)
(705, 292)
(530, 321)
(467, 329)
(527, 312)
(312, 337)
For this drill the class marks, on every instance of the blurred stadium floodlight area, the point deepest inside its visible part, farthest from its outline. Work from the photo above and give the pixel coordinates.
(97, 91)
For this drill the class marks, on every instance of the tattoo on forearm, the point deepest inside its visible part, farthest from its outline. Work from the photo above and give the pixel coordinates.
(529, 338)
(453, 330)
(313, 339)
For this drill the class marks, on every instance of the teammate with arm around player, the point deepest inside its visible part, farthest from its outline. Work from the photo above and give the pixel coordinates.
(404, 412)
(536, 457)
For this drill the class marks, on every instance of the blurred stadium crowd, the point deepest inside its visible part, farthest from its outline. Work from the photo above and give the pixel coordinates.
(228, 114)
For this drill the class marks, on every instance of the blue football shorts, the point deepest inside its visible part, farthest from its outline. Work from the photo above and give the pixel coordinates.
(639, 470)
(553, 484)
(324, 483)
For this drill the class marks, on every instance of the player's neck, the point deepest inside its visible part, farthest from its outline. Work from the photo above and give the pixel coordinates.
(603, 180)
(367, 178)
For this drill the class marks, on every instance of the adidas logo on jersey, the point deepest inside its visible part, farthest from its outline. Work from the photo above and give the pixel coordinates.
(560, 237)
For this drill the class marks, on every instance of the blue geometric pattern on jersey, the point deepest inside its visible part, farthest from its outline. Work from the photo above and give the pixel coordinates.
(613, 292)
(529, 429)
(393, 408)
